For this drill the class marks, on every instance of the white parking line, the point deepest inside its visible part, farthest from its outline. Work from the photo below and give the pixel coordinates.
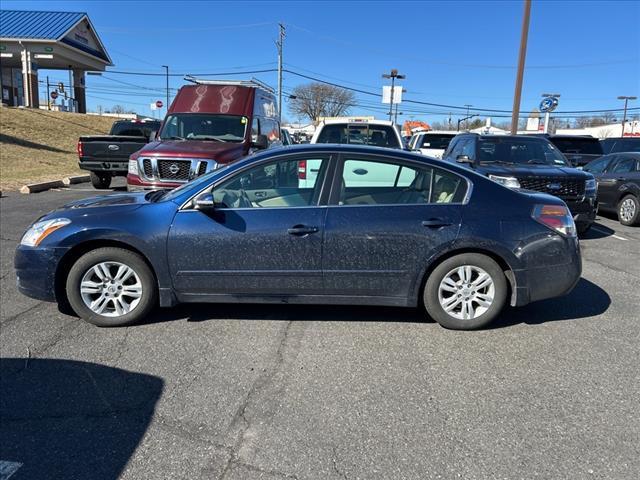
(7, 469)
(607, 233)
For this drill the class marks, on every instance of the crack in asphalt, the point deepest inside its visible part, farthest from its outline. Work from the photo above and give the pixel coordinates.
(334, 463)
(240, 419)
(605, 265)
(18, 315)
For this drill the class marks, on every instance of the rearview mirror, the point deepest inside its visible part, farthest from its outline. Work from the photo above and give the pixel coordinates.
(463, 159)
(261, 142)
(204, 201)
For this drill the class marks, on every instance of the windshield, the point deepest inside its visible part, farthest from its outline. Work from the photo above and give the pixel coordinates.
(377, 135)
(627, 145)
(132, 129)
(434, 140)
(519, 151)
(204, 126)
(578, 145)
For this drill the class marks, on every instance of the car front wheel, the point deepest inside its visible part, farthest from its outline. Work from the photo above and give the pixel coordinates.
(465, 292)
(111, 287)
(629, 211)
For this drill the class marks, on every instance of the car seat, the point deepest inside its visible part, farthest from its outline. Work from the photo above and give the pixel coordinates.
(444, 190)
(418, 191)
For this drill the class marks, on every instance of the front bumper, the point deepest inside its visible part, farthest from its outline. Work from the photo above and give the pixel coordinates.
(136, 184)
(36, 270)
(584, 212)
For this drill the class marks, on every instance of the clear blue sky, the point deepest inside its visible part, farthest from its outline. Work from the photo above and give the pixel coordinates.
(453, 53)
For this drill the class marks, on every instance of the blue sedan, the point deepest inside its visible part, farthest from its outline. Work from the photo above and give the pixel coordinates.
(312, 224)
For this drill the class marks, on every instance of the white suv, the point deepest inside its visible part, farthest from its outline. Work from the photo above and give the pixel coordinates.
(432, 143)
(380, 133)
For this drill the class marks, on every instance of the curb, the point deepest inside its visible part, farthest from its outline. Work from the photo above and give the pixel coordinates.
(41, 187)
(76, 179)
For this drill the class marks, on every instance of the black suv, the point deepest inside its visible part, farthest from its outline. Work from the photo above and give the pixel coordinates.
(579, 149)
(531, 163)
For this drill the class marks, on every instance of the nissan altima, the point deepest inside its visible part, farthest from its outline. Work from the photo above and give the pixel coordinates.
(311, 224)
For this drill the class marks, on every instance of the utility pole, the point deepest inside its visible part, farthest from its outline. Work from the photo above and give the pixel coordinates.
(515, 114)
(624, 116)
(166, 68)
(466, 125)
(279, 44)
(393, 75)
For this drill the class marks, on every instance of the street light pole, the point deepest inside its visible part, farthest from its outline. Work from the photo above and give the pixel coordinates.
(624, 115)
(166, 67)
(279, 44)
(468, 117)
(393, 75)
(515, 114)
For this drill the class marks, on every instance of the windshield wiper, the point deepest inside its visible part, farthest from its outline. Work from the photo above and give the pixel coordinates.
(156, 195)
(497, 161)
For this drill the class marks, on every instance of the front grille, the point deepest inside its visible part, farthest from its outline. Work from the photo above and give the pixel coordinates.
(202, 168)
(563, 188)
(147, 168)
(174, 170)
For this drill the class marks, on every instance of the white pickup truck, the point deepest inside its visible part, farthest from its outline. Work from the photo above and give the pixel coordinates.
(431, 143)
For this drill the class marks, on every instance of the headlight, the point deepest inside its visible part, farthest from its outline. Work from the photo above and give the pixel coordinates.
(509, 182)
(591, 185)
(133, 167)
(39, 231)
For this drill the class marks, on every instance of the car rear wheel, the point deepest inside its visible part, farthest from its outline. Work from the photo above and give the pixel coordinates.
(100, 180)
(629, 211)
(111, 287)
(465, 292)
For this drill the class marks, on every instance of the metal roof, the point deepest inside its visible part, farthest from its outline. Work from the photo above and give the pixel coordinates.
(37, 24)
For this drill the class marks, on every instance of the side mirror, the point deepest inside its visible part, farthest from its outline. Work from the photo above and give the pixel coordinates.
(153, 135)
(463, 159)
(261, 142)
(204, 201)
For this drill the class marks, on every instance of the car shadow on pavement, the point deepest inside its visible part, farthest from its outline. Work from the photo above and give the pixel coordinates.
(597, 231)
(69, 419)
(586, 300)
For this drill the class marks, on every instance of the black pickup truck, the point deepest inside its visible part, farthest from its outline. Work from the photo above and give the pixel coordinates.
(106, 156)
(528, 163)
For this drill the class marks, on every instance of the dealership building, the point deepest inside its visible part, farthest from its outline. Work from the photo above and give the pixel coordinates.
(34, 40)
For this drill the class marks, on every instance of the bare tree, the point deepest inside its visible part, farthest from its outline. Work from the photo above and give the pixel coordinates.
(118, 109)
(317, 100)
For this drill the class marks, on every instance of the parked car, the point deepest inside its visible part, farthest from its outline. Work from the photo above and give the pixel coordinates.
(578, 149)
(433, 234)
(620, 144)
(432, 143)
(107, 156)
(618, 176)
(531, 163)
(209, 124)
(379, 133)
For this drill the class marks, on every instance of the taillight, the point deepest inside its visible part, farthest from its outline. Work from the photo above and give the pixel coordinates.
(302, 169)
(555, 217)
(79, 148)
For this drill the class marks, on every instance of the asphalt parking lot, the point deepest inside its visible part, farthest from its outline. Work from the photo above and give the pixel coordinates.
(274, 392)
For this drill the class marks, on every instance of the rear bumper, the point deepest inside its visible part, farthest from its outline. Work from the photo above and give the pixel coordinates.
(544, 279)
(36, 270)
(115, 168)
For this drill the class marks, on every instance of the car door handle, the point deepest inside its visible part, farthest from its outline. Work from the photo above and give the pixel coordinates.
(435, 223)
(301, 230)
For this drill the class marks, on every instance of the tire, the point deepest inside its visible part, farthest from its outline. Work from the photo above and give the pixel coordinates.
(476, 264)
(138, 291)
(629, 211)
(100, 180)
(583, 228)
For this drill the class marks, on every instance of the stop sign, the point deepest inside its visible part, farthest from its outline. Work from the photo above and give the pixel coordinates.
(159, 104)
(54, 94)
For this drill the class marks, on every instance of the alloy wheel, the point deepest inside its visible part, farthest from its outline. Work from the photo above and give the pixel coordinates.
(466, 292)
(111, 289)
(627, 209)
